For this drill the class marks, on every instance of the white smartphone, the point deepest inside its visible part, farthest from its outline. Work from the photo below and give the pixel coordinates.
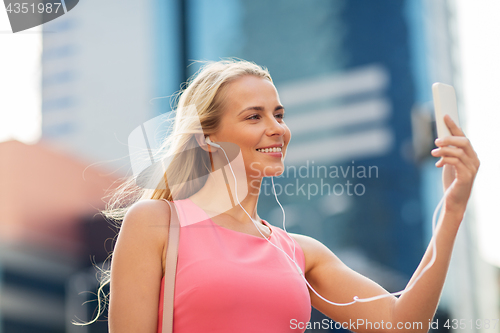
(445, 103)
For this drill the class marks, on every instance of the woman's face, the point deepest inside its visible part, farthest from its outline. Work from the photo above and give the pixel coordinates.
(253, 119)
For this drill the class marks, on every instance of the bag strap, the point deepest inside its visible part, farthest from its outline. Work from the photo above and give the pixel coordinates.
(170, 269)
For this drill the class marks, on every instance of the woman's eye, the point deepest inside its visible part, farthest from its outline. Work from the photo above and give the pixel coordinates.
(253, 117)
(257, 116)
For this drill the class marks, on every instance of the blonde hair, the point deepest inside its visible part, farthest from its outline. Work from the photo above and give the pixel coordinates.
(205, 92)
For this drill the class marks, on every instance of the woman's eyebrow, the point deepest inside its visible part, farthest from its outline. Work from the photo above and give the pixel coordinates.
(260, 108)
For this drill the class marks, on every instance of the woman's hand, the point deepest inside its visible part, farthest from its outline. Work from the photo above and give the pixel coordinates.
(460, 167)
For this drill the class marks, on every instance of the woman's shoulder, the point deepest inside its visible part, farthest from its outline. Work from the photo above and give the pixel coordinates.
(312, 248)
(149, 211)
(148, 217)
(148, 221)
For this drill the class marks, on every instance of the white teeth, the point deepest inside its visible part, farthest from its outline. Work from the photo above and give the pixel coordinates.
(270, 150)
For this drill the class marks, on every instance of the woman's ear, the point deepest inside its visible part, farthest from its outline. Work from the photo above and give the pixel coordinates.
(200, 139)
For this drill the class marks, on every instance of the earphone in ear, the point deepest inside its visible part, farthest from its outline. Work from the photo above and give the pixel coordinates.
(209, 142)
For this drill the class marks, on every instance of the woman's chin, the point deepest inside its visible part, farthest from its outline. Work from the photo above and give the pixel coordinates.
(273, 171)
(266, 169)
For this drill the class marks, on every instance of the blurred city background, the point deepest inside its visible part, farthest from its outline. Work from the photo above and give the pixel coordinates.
(355, 77)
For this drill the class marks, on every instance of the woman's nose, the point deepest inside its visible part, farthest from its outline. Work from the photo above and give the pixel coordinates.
(275, 127)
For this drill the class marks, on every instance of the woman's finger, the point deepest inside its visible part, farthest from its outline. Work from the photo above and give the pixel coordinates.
(457, 141)
(458, 153)
(462, 170)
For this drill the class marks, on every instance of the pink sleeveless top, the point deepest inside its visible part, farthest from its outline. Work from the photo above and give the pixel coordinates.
(228, 281)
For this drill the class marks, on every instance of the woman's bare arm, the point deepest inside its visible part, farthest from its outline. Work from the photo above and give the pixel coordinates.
(136, 268)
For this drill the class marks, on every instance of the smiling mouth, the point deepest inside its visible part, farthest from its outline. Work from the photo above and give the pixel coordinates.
(270, 150)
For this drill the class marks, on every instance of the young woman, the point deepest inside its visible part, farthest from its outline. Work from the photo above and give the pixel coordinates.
(229, 278)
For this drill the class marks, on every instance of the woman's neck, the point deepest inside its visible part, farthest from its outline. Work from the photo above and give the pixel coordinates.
(218, 196)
